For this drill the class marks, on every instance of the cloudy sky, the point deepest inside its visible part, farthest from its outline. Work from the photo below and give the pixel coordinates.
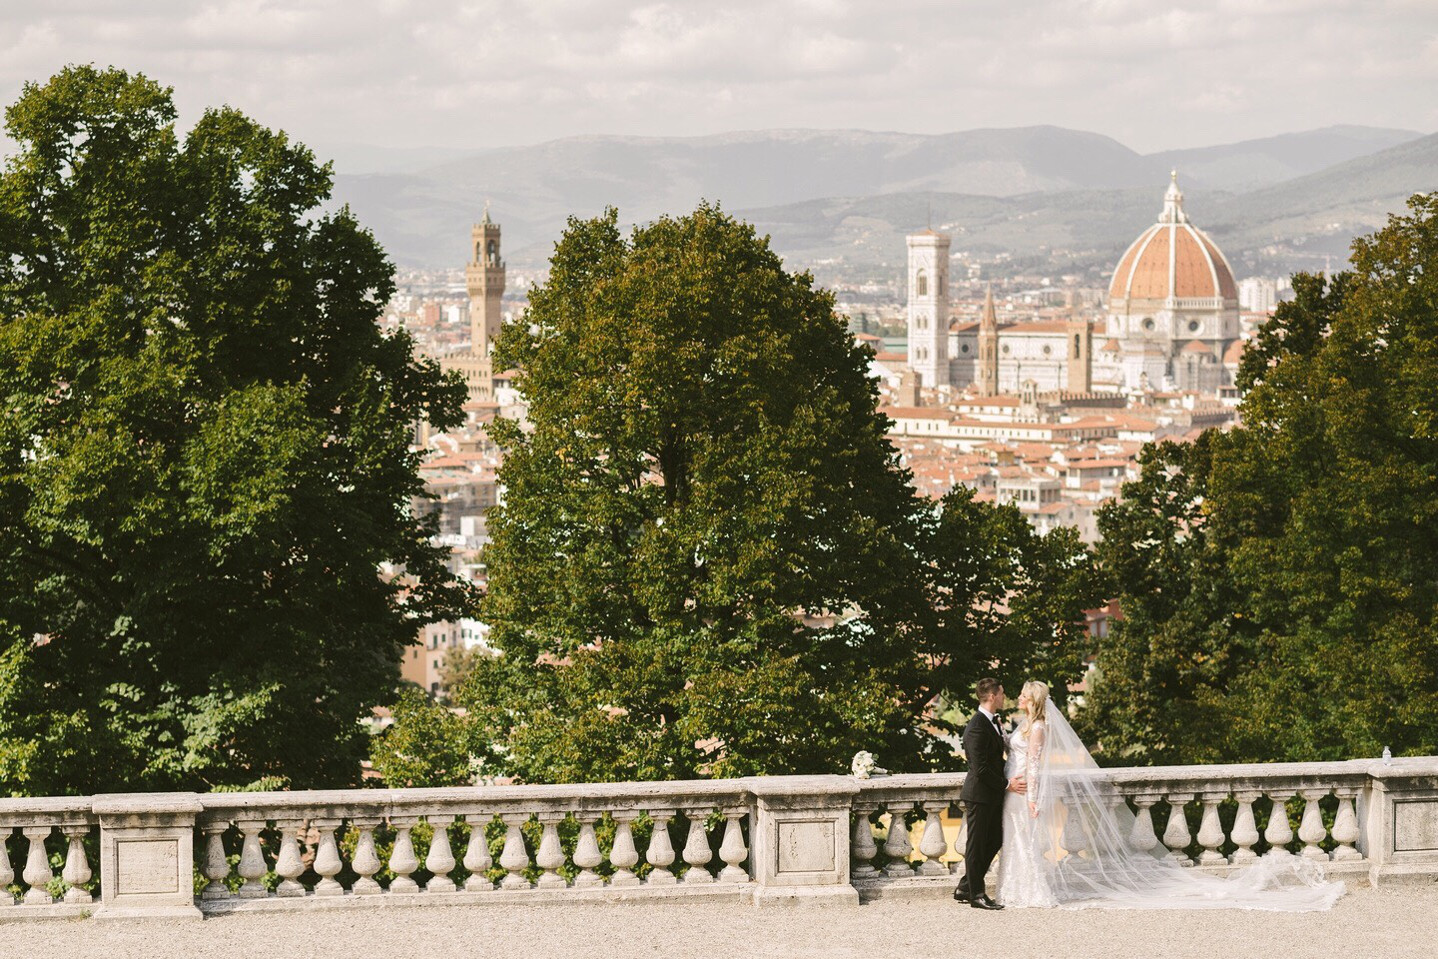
(1155, 74)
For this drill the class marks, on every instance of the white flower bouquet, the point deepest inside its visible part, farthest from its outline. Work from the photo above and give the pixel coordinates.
(864, 766)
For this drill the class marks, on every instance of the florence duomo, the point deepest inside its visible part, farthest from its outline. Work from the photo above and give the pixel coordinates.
(873, 465)
(1171, 321)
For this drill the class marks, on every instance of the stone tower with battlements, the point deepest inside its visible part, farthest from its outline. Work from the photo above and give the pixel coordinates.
(929, 307)
(484, 279)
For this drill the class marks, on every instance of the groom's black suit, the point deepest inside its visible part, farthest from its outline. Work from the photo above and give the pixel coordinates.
(983, 797)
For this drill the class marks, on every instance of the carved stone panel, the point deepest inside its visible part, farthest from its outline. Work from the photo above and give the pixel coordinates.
(147, 867)
(805, 846)
(1415, 826)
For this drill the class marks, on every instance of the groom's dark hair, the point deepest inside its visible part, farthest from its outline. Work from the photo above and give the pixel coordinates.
(986, 688)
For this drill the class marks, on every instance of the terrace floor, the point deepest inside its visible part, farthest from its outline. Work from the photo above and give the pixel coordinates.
(1391, 921)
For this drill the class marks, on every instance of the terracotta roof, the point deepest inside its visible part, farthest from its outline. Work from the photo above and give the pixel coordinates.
(1172, 258)
(1110, 346)
(1234, 354)
(1194, 346)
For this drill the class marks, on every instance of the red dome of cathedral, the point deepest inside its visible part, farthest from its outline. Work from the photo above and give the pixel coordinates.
(1173, 259)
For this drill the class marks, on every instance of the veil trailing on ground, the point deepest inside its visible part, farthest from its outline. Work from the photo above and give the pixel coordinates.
(1082, 849)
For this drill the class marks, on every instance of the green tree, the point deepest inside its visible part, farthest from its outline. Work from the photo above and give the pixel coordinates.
(708, 559)
(1278, 579)
(204, 461)
(427, 745)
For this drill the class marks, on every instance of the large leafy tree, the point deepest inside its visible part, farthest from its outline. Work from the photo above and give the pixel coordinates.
(1279, 579)
(708, 559)
(208, 566)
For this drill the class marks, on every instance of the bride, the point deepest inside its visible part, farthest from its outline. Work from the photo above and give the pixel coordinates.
(1066, 839)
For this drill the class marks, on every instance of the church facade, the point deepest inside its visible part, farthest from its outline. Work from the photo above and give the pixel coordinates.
(990, 357)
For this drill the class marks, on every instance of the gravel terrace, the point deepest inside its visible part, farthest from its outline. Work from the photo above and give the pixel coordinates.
(1393, 921)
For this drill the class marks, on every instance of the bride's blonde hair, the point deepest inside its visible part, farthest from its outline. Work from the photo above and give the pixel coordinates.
(1038, 695)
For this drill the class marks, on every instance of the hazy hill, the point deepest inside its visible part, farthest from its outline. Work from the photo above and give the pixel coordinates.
(1258, 163)
(1019, 190)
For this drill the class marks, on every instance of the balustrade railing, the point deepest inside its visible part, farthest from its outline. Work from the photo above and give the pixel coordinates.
(507, 839)
(751, 839)
(35, 836)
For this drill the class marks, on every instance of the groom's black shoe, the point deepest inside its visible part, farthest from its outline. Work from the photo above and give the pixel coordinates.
(960, 895)
(984, 902)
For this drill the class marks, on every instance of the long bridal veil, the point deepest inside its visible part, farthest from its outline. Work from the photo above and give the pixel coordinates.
(1083, 850)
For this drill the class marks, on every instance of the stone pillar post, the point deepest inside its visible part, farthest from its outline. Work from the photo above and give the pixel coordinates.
(147, 855)
(800, 839)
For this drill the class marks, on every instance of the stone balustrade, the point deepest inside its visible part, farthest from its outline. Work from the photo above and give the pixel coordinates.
(760, 839)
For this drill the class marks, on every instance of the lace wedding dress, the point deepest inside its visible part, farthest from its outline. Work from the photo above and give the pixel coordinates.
(1072, 849)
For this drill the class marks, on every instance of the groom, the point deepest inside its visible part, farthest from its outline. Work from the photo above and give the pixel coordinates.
(983, 793)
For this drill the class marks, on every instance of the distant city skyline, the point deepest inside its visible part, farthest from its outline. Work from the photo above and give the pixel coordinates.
(471, 75)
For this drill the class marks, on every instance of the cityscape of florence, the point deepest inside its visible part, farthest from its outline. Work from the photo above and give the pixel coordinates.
(789, 479)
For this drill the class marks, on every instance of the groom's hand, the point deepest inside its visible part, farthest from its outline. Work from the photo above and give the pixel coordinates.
(1017, 785)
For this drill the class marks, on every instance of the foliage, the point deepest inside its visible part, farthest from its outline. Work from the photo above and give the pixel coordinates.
(426, 746)
(709, 559)
(203, 453)
(1277, 580)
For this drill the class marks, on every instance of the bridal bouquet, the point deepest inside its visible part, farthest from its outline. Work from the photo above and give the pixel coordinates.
(864, 766)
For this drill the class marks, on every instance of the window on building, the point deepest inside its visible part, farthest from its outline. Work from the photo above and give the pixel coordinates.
(921, 284)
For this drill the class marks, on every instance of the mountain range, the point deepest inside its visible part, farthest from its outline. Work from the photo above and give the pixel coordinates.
(840, 201)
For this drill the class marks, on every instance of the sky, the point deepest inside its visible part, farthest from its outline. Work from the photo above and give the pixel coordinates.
(461, 74)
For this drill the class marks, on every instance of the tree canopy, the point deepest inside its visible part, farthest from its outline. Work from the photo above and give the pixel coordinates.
(204, 453)
(708, 559)
(1278, 580)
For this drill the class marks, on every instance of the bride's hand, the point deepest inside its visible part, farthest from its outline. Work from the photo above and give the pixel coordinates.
(1033, 810)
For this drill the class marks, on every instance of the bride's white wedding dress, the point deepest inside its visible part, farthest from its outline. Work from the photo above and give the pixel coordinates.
(1076, 852)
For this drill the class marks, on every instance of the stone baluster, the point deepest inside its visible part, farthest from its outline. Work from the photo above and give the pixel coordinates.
(37, 866)
(623, 857)
(1210, 832)
(1141, 836)
(327, 859)
(217, 866)
(897, 846)
(932, 844)
(366, 861)
(732, 849)
(440, 858)
(1278, 833)
(660, 853)
(402, 860)
(1176, 836)
(1245, 829)
(288, 864)
(514, 857)
(863, 849)
(1345, 827)
(1074, 837)
(1311, 829)
(696, 847)
(252, 867)
(476, 856)
(7, 872)
(77, 866)
(586, 852)
(550, 854)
